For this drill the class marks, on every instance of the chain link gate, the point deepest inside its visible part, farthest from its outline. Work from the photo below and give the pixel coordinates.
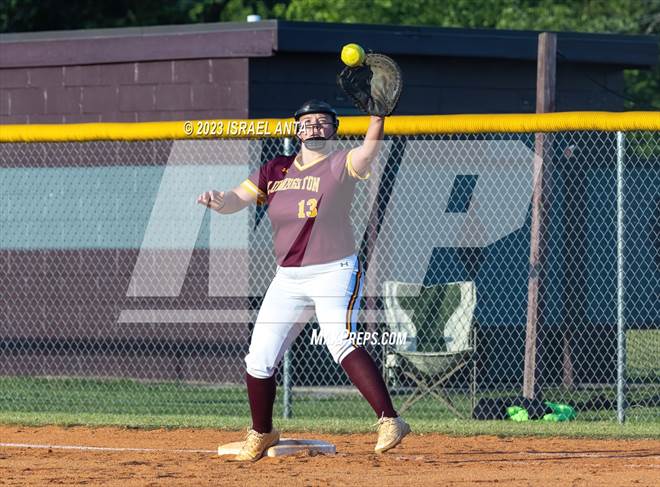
(120, 295)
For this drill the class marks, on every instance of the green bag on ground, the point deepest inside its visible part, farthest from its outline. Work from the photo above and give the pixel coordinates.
(560, 412)
(517, 413)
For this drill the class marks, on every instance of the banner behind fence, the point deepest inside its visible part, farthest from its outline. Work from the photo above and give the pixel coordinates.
(121, 294)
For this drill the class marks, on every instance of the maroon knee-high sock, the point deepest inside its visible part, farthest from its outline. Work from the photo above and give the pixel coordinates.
(261, 393)
(364, 374)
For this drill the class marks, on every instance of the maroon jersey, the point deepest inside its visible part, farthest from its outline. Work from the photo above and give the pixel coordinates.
(309, 206)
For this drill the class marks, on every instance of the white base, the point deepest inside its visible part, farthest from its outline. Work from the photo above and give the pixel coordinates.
(286, 446)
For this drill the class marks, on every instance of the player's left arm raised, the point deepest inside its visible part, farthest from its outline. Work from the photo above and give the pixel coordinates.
(362, 156)
(374, 83)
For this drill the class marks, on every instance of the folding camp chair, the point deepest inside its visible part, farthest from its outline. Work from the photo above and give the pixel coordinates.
(438, 323)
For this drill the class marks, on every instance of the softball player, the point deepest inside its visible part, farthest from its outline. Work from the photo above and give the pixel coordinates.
(309, 197)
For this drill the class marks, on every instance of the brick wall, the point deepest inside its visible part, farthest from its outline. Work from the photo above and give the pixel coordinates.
(125, 92)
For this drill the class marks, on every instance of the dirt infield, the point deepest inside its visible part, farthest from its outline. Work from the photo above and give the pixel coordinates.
(150, 457)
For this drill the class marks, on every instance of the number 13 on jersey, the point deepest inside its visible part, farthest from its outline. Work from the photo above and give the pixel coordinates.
(307, 208)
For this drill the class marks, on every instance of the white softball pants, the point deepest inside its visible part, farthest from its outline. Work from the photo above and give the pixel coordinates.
(333, 289)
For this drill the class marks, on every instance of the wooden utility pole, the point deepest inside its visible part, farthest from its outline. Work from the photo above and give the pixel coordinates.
(545, 102)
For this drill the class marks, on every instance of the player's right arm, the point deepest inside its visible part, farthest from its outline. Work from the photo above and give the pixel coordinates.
(252, 190)
(226, 202)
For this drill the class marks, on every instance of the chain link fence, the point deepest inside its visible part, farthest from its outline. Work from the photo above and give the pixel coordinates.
(121, 295)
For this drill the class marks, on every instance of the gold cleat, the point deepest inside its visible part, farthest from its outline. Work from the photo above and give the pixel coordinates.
(256, 445)
(390, 433)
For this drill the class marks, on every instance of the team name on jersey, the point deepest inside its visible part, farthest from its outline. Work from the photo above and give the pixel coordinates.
(308, 183)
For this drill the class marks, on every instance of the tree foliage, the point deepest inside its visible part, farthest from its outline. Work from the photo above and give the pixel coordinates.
(615, 16)
(605, 16)
(582, 16)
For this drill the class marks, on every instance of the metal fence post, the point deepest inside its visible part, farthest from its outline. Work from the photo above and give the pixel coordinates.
(288, 150)
(621, 332)
(286, 379)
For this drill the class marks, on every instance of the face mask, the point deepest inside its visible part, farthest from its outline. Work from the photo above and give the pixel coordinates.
(315, 143)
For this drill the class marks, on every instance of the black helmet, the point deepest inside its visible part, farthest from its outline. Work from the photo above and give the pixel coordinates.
(315, 106)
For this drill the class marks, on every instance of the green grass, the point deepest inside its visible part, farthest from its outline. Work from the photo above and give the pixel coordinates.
(68, 402)
(643, 363)
(455, 427)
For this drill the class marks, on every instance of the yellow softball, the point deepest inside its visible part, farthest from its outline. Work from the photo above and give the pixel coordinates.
(352, 55)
